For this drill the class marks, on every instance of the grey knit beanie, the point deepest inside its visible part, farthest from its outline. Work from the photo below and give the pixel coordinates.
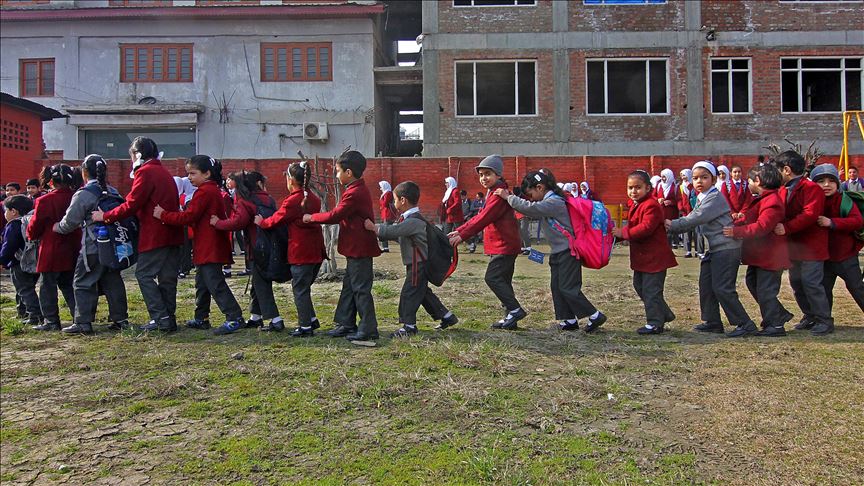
(493, 162)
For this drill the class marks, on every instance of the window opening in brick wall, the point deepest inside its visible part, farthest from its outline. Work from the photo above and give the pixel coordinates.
(494, 3)
(299, 61)
(627, 86)
(821, 1)
(496, 88)
(16, 136)
(622, 2)
(178, 142)
(730, 85)
(140, 3)
(223, 3)
(37, 77)
(156, 63)
(827, 85)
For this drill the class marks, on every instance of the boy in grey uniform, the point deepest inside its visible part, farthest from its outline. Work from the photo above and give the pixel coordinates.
(410, 230)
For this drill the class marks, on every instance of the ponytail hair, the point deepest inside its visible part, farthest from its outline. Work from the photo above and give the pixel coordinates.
(300, 172)
(58, 175)
(241, 184)
(144, 146)
(543, 177)
(205, 163)
(97, 169)
(643, 175)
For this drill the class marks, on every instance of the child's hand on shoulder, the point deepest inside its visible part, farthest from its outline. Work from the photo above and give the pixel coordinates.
(454, 238)
(307, 218)
(369, 225)
(98, 216)
(667, 224)
(727, 231)
(502, 193)
(157, 212)
(823, 222)
(258, 219)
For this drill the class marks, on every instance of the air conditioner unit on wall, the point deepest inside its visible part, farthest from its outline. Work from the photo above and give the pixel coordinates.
(315, 131)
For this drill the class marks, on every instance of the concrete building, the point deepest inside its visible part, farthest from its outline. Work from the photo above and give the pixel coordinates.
(229, 78)
(622, 77)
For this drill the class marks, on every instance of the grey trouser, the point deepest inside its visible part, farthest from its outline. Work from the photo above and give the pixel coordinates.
(649, 287)
(416, 292)
(156, 273)
(525, 232)
(262, 300)
(87, 285)
(850, 272)
(700, 241)
(302, 277)
(499, 278)
(567, 297)
(356, 297)
(764, 286)
(385, 244)
(717, 276)
(210, 282)
(48, 296)
(806, 279)
(25, 287)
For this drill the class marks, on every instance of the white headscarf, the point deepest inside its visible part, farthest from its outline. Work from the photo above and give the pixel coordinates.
(138, 162)
(728, 181)
(686, 182)
(670, 181)
(451, 184)
(574, 189)
(184, 187)
(385, 187)
(654, 181)
(583, 188)
(566, 187)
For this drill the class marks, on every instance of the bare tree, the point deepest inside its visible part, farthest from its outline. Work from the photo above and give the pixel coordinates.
(324, 184)
(811, 155)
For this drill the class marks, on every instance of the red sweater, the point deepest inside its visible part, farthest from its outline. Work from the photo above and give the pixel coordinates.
(242, 217)
(355, 207)
(670, 211)
(210, 245)
(501, 235)
(649, 248)
(451, 211)
(807, 241)
(761, 247)
(305, 240)
(684, 207)
(738, 199)
(842, 243)
(152, 185)
(57, 253)
(385, 204)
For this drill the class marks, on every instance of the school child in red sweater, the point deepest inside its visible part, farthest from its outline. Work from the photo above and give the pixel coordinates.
(807, 242)
(158, 244)
(501, 240)
(737, 193)
(763, 251)
(212, 248)
(305, 243)
(650, 254)
(667, 196)
(451, 206)
(389, 215)
(358, 245)
(57, 253)
(843, 246)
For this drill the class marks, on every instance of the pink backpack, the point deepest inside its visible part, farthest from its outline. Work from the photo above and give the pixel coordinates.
(592, 240)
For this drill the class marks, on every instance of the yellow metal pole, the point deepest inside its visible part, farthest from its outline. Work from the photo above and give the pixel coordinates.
(844, 152)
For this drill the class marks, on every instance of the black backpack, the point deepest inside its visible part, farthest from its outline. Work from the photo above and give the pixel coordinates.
(270, 254)
(117, 242)
(441, 257)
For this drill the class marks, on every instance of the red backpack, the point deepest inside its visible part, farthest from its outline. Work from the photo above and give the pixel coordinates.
(591, 240)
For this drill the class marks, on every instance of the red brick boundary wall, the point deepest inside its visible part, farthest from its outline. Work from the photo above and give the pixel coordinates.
(606, 175)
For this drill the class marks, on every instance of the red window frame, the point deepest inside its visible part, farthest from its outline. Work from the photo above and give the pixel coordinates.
(146, 69)
(41, 88)
(140, 3)
(223, 3)
(19, 3)
(286, 62)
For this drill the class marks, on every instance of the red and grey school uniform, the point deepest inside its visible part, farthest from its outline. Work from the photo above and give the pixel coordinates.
(667, 196)
(57, 253)
(843, 248)
(361, 245)
(305, 250)
(211, 249)
(387, 210)
(766, 255)
(451, 207)
(738, 195)
(808, 250)
(650, 258)
(501, 241)
(158, 244)
(693, 240)
(24, 282)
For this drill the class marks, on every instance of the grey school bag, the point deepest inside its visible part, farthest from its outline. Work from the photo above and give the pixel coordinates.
(28, 255)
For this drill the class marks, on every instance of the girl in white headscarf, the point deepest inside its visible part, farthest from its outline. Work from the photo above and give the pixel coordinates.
(585, 191)
(451, 206)
(655, 180)
(574, 189)
(568, 188)
(723, 177)
(667, 196)
(389, 215)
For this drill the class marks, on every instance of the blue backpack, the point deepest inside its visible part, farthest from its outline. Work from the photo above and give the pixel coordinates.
(117, 242)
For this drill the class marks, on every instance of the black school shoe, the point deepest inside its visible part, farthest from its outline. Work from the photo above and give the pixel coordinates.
(274, 326)
(82, 328)
(568, 326)
(645, 330)
(448, 322)
(302, 332)
(711, 328)
(403, 332)
(252, 323)
(362, 336)
(743, 330)
(509, 323)
(822, 329)
(315, 323)
(120, 325)
(48, 326)
(341, 331)
(772, 331)
(168, 324)
(202, 324)
(594, 324)
(804, 324)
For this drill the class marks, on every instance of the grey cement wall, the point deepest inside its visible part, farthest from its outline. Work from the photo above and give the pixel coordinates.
(226, 60)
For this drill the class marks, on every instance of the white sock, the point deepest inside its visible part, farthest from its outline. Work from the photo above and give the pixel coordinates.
(412, 326)
(254, 317)
(594, 315)
(510, 313)
(448, 314)
(649, 326)
(276, 319)
(305, 328)
(571, 321)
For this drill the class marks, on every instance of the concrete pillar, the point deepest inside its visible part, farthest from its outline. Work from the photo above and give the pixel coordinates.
(695, 112)
(431, 113)
(560, 16)
(561, 82)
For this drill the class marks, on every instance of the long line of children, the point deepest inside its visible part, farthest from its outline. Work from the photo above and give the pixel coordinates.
(775, 228)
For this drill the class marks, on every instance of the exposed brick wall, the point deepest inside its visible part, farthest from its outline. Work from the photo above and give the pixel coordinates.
(604, 128)
(634, 18)
(539, 128)
(767, 122)
(773, 15)
(485, 20)
(606, 175)
(20, 129)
